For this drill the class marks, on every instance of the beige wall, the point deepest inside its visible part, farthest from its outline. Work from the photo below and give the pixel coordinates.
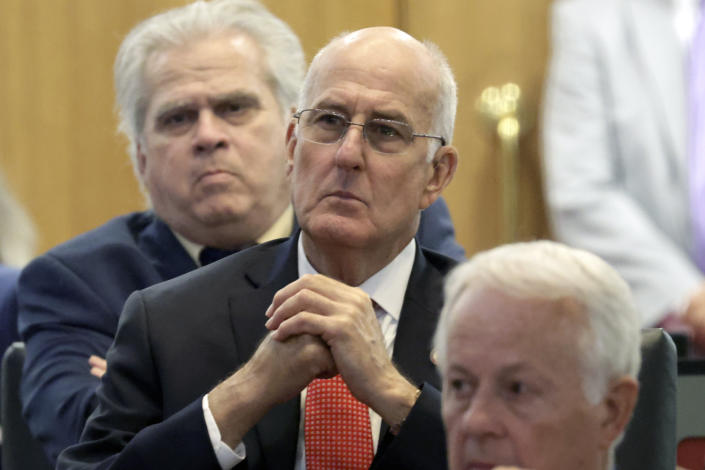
(63, 158)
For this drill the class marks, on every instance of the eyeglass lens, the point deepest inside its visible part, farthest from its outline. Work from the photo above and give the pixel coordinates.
(326, 127)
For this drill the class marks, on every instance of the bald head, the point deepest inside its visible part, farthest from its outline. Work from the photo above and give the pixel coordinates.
(381, 52)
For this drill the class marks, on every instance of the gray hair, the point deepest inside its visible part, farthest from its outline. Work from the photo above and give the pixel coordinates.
(443, 121)
(610, 345)
(17, 233)
(443, 118)
(177, 27)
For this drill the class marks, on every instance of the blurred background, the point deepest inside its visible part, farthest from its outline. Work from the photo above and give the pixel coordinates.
(64, 160)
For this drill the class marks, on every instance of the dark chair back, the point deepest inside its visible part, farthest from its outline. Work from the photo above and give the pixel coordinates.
(690, 421)
(650, 439)
(20, 451)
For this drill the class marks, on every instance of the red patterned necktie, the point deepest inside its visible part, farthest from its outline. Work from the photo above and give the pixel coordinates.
(337, 428)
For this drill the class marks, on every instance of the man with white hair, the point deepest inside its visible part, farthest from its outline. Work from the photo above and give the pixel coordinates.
(205, 94)
(328, 332)
(538, 347)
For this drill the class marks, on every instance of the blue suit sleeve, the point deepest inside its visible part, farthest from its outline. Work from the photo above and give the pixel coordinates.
(62, 321)
(436, 231)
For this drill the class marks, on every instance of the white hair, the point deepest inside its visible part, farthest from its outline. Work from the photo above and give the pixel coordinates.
(443, 118)
(177, 27)
(545, 270)
(17, 233)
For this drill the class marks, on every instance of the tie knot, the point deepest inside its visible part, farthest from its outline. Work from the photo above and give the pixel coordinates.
(209, 255)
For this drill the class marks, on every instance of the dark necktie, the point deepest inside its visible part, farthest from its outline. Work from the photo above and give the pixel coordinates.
(209, 255)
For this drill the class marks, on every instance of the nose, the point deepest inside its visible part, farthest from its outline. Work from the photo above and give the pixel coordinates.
(209, 133)
(349, 154)
(483, 417)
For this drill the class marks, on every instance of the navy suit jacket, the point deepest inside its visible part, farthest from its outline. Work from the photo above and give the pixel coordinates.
(70, 302)
(177, 340)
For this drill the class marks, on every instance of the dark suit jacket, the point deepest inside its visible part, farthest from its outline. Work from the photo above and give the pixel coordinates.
(177, 340)
(71, 299)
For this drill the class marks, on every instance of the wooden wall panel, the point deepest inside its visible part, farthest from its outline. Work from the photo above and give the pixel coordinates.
(317, 21)
(489, 43)
(62, 155)
(58, 144)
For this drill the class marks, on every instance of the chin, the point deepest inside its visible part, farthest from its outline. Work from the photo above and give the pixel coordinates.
(221, 214)
(347, 232)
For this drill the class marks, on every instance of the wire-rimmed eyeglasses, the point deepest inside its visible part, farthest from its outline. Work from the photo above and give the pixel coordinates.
(383, 135)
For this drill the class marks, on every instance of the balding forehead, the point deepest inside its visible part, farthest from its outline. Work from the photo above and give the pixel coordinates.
(372, 49)
(380, 32)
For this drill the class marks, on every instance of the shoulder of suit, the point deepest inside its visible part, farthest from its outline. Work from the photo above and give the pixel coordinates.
(117, 233)
(222, 274)
(438, 260)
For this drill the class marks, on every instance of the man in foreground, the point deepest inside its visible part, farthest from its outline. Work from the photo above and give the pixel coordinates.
(205, 94)
(352, 297)
(538, 347)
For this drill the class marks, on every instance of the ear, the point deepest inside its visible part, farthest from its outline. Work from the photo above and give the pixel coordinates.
(141, 161)
(442, 169)
(619, 404)
(291, 140)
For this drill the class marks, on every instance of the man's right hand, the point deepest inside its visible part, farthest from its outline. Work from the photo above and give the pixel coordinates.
(277, 372)
(98, 366)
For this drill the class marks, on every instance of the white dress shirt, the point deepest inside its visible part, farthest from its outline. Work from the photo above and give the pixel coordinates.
(686, 14)
(387, 289)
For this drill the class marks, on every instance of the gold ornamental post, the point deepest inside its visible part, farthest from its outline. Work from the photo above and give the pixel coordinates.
(499, 107)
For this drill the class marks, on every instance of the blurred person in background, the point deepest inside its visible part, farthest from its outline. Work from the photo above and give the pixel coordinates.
(17, 244)
(624, 147)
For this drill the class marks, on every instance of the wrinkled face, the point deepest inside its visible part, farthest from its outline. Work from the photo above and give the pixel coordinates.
(346, 191)
(512, 388)
(212, 152)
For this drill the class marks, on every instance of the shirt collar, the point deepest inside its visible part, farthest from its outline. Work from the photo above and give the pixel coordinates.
(281, 228)
(387, 286)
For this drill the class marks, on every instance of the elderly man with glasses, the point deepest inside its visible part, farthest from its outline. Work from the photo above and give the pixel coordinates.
(205, 93)
(328, 333)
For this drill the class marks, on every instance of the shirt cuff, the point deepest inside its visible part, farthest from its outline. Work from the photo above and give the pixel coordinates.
(227, 457)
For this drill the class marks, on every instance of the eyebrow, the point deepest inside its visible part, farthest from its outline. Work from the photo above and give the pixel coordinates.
(250, 97)
(388, 115)
(171, 106)
(502, 372)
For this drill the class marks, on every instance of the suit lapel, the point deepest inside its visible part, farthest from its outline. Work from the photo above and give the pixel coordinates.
(422, 305)
(272, 443)
(649, 26)
(167, 255)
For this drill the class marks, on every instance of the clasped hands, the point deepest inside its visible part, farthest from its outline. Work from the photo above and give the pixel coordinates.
(319, 327)
(342, 319)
